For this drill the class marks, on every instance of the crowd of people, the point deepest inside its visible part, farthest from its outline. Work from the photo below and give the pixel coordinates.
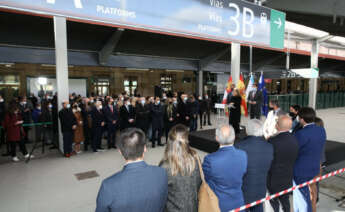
(88, 120)
(238, 173)
(286, 148)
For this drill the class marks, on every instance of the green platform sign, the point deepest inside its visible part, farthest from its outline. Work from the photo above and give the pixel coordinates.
(277, 29)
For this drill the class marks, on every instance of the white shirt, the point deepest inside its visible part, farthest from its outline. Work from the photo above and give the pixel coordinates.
(270, 124)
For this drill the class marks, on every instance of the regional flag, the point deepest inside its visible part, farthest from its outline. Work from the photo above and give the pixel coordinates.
(242, 89)
(227, 90)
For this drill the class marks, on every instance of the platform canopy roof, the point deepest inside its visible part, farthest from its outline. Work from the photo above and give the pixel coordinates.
(25, 31)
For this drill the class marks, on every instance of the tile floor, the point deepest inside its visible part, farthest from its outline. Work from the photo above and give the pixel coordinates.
(49, 183)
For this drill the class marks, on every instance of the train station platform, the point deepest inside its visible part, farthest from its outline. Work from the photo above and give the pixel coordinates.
(52, 183)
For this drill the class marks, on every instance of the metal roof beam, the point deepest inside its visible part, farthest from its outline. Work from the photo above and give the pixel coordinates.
(269, 61)
(108, 48)
(204, 62)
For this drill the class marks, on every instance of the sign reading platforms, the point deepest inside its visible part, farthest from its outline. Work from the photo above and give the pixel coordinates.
(220, 20)
(310, 73)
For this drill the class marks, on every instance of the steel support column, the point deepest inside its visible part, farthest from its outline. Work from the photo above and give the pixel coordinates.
(60, 33)
(200, 82)
(235, 62)
(251, 59)
(313, 82)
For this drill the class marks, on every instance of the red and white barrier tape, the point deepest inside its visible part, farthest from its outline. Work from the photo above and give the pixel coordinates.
(289, 190)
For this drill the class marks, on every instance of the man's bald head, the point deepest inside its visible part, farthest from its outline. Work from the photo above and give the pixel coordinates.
(225, 135)
(284, 123)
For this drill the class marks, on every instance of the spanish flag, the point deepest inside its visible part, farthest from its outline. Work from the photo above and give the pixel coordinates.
(242, 89)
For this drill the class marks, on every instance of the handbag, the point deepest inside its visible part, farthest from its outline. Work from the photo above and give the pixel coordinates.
(208, 201)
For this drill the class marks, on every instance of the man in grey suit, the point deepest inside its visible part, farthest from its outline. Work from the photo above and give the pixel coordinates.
(255, 99)
(139, 186)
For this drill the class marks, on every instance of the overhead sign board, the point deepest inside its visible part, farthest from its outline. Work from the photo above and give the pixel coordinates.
(309, 73)
(221, 20)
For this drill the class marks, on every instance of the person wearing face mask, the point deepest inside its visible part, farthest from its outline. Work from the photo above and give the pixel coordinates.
(98, 122)
(127, 115)
(183, 111)
(209, 106)
(142, 115)
(111, 116)
(36, 118)
(26, 107)
(157, 113)
(2, 132)
(293, 114)
(46, 116)
(86, 108)
(68, 125)
(202, 110)
(79, 131)
(14, 131)
(255, 99)
(193, 108)
(164, 99)
(170, 116)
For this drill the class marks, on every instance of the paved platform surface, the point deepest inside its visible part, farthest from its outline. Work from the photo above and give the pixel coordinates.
(49, 183)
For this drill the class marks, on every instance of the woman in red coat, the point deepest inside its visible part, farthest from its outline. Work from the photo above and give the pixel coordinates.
(14, 132)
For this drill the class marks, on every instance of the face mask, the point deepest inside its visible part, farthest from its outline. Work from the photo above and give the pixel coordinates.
(122, 98)
(157, 103)
(185, 99)
(24, 103)
(291, 114)
(128, 103)
(91, 101)
(175, 102)
(50, 106)
(164, 97)
(143, 102)
(206, 97)
(255, 89)
(38, 108)
(68, 106)
(100, 107)
(1, 100)
(200, 98)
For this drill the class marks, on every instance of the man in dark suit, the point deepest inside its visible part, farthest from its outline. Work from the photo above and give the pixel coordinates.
(209, 106)
(26, 107)
(260, 156)
(224, 170)
(157, 113)
(280, 175)
(143, 115)
(255, 99)
(111, 117)
(98, 122)
(183, 111)
(311, 140)
(68, 125)
(127, 114)
(202, 110)
(138, 186)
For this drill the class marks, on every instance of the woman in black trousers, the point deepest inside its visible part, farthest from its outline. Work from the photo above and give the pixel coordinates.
(235, 110)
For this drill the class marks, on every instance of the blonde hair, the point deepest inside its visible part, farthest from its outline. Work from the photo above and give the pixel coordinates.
(178, 156)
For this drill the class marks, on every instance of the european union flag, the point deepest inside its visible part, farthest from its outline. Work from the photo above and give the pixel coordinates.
(262, 88)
